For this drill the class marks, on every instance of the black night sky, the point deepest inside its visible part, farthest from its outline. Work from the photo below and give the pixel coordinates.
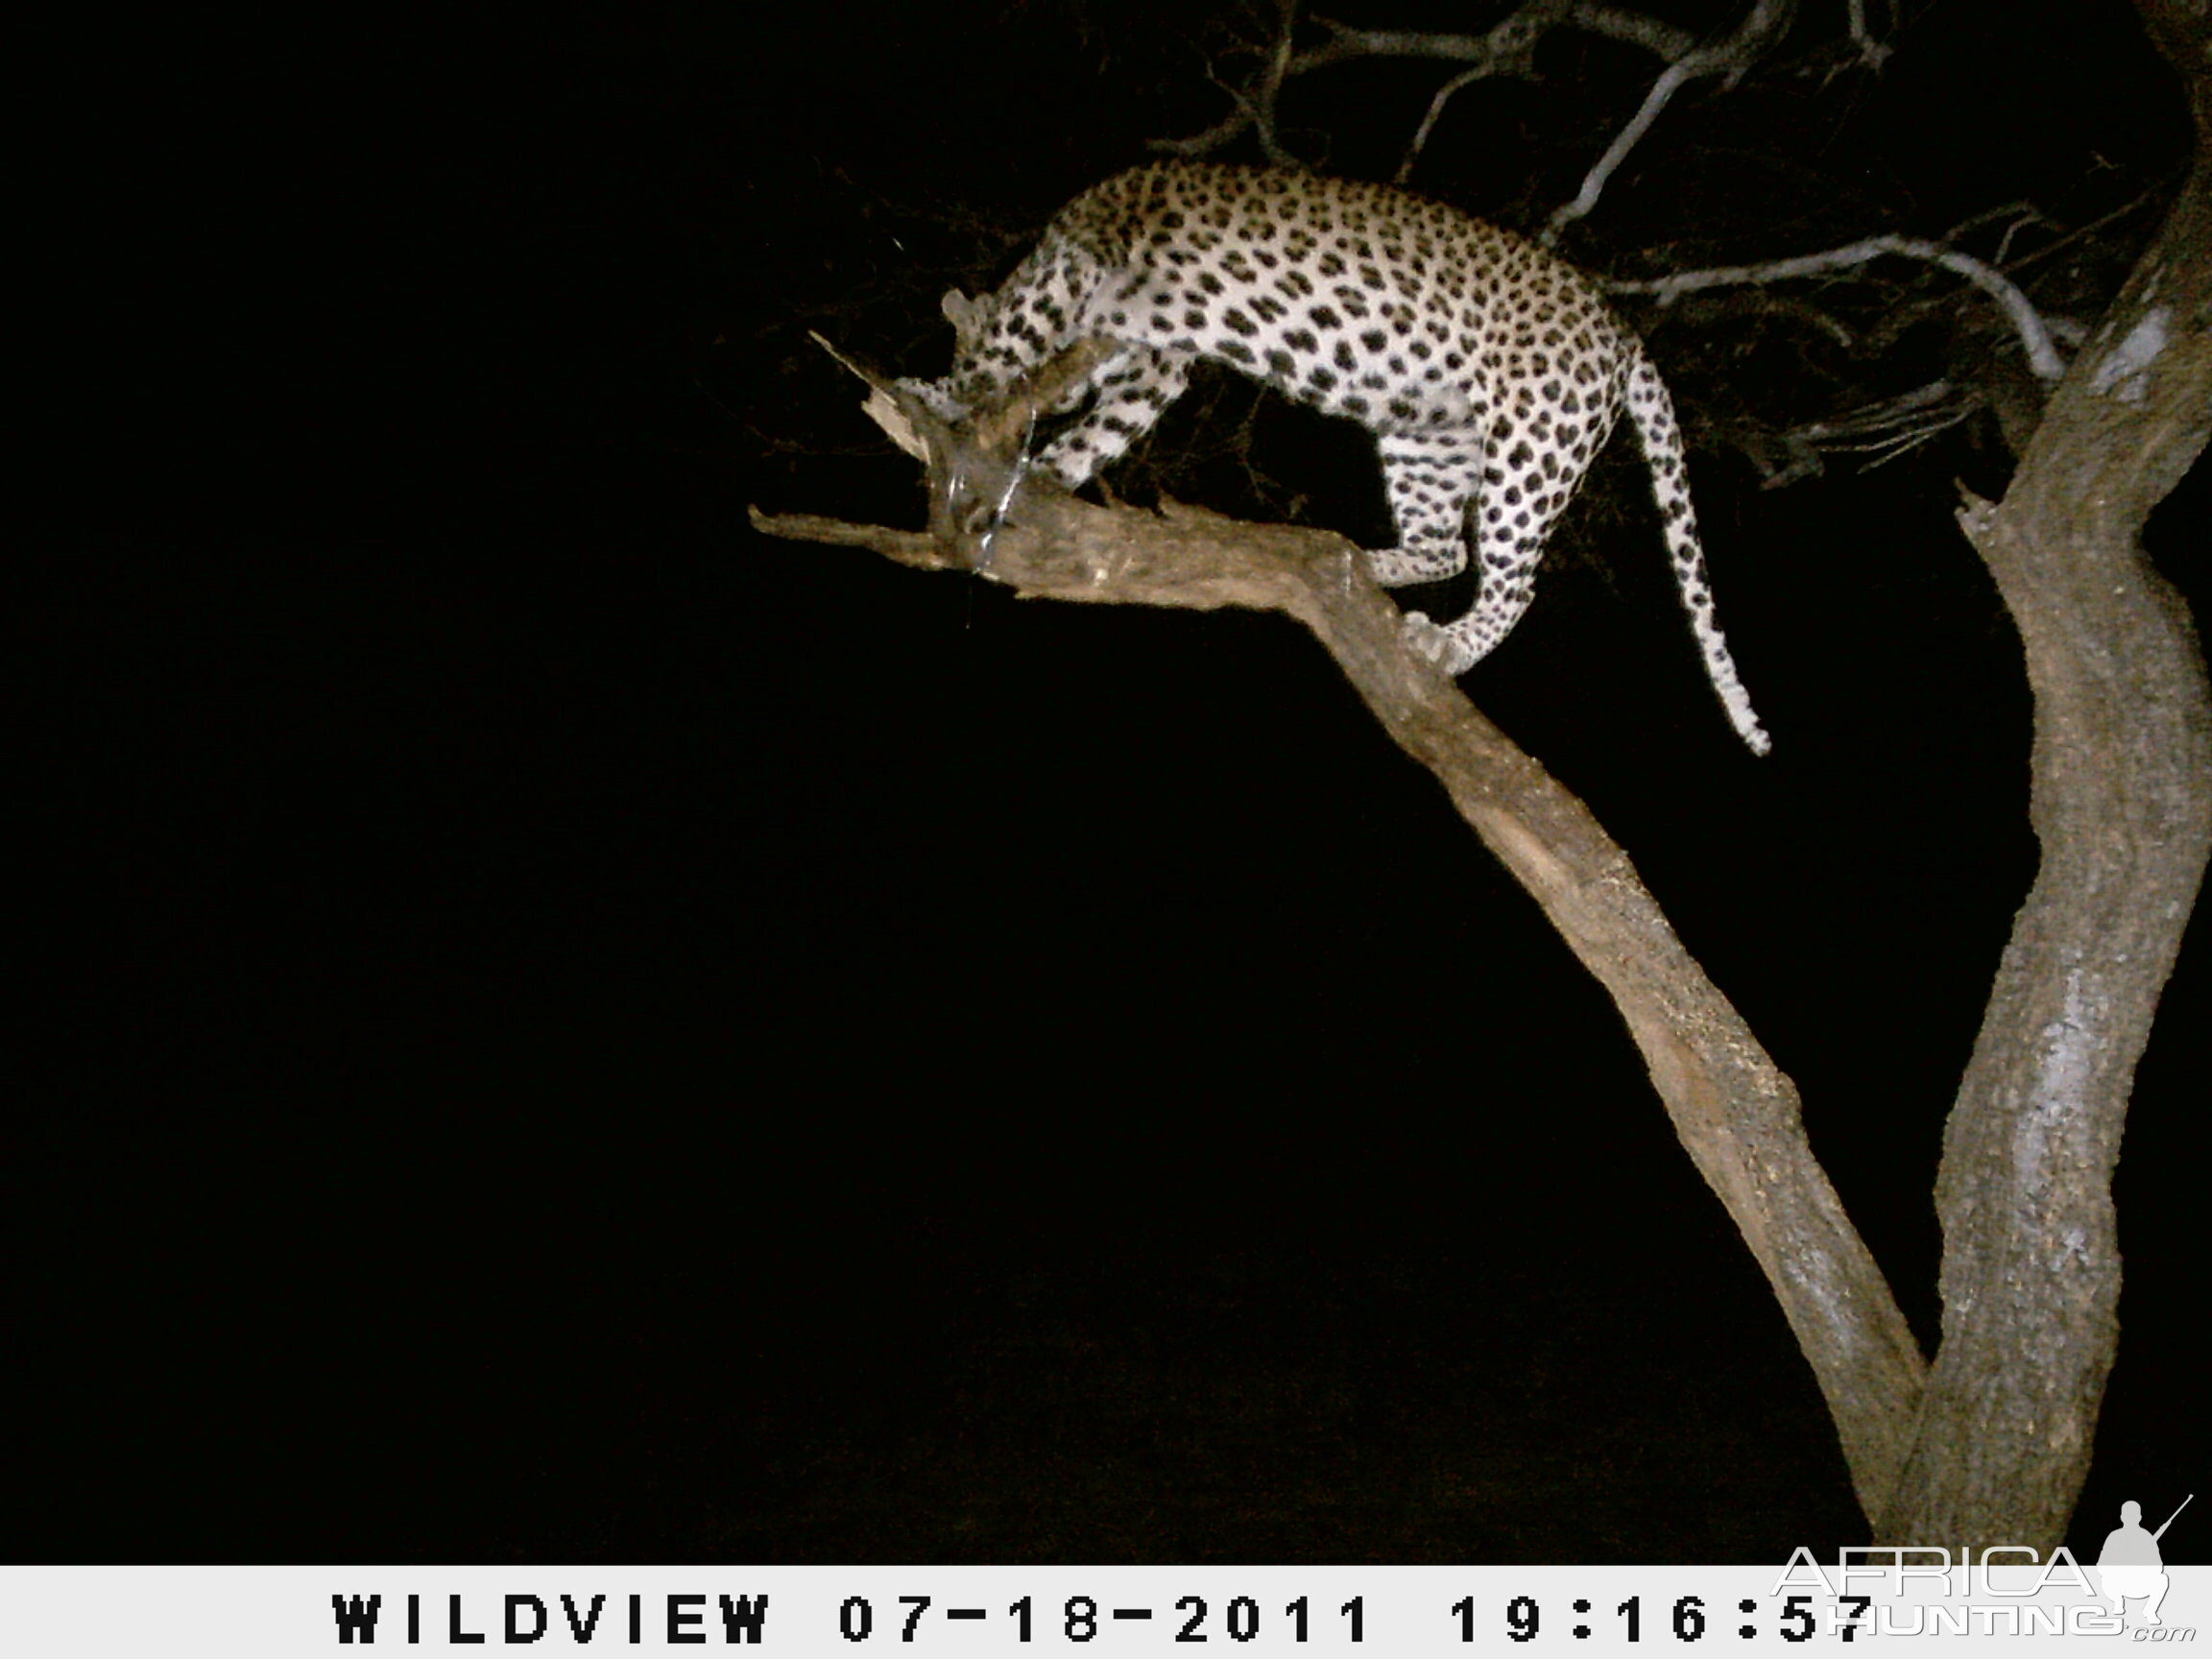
(565, 1031)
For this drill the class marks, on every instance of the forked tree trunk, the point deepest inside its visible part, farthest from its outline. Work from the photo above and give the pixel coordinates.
(2121, 806)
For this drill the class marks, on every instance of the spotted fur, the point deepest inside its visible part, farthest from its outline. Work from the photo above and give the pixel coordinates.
(1490, 373)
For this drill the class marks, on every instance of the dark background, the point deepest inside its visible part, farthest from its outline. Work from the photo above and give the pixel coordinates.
(565, 1030)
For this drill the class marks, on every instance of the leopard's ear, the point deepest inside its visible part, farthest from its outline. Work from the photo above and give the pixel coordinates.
(968, 319)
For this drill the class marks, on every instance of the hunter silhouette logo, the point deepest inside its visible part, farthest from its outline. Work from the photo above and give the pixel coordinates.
(2129, 1565)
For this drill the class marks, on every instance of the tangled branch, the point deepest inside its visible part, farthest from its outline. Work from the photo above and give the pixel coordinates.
(1506, 50)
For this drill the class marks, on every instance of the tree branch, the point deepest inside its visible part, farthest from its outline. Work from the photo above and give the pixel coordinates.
(2035, 334)
(1886, 430)
(1734, 1111)
(1256, 106)
(1508, 48)
(1767, 22)
(1435, 114)
(1872, 53)
(1509, 41)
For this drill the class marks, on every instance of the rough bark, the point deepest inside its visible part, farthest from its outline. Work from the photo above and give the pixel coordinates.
(2121, 806)
(1735, 1112)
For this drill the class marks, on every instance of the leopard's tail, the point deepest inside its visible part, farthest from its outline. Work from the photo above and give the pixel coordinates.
(1652, 411)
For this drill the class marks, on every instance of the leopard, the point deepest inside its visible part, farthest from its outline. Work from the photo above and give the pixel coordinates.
(1489, 372)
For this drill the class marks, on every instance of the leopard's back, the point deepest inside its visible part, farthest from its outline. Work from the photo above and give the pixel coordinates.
(1489, 372)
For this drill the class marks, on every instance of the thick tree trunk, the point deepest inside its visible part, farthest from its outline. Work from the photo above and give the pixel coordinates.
(2122, 803)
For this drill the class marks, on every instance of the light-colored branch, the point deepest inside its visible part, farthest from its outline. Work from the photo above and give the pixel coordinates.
(1662, 40)
(1671, 81)
(1734, 1111)
(1502, 50)
(1219, 137)
(2043, 357)
(1508, 41)
(1767, 22)
(1872, 53)
(1435, 114)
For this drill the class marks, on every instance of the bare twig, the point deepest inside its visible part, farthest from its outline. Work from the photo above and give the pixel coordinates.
(1435, 112)
(2023, 211)
(2089, 230)
(2028, 216)
(1885, 431)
